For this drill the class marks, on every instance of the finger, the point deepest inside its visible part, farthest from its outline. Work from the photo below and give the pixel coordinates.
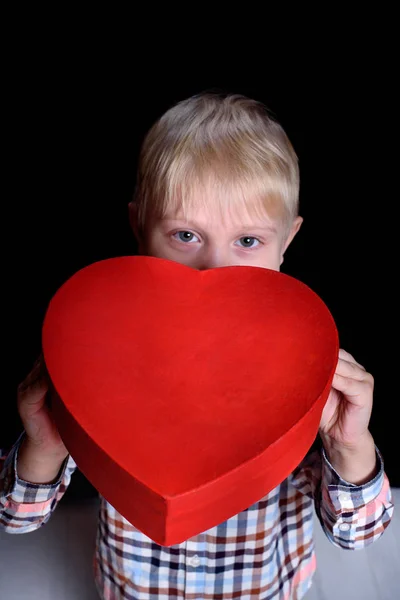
(31, 393)
(353, 389)
(32, 401)
(37, 376)
(32, 376)
(344, 355)
(353, 371)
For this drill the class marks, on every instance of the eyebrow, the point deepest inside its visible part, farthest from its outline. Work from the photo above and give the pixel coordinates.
(267, 228)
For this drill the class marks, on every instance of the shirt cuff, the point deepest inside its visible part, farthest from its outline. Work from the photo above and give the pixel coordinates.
(348, 496)
(21, 491)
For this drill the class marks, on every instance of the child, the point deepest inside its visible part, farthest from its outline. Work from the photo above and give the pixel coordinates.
(218, 185)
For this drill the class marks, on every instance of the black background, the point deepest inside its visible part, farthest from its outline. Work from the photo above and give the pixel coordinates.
(74, 131)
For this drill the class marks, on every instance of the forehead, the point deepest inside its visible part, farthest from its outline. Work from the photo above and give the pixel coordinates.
(209, 206)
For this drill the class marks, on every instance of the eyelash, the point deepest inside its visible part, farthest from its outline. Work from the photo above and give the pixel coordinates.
(241, 238)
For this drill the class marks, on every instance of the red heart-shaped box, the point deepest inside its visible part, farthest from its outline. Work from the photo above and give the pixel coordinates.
(185, 396)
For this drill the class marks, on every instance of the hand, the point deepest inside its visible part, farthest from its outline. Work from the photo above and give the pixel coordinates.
(347, 412)
(42, 436)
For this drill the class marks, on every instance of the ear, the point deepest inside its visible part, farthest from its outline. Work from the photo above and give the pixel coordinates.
(134, 223)
(133, 220)
(293, 230)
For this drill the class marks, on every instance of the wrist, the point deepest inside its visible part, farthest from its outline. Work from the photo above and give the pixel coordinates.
(349, 449)
(355, 463)
(35, 466)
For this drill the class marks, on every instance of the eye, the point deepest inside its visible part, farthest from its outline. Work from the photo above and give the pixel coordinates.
(248, 242)
(185, 236)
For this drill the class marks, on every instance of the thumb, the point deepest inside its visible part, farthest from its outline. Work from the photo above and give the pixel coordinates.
(31, 393)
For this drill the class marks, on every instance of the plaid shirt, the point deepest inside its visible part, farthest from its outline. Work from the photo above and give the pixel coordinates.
(265, 552)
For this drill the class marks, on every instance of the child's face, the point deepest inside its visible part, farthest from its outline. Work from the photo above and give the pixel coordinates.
(208, 239)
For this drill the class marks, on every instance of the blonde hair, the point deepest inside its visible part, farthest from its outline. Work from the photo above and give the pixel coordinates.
(230, 148)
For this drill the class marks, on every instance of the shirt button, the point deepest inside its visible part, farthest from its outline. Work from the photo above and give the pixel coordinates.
(194, 561)
(344, 527)
(343, 497)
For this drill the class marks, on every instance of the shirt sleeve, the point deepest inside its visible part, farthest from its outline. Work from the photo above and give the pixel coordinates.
(25, 506)
(352, 516)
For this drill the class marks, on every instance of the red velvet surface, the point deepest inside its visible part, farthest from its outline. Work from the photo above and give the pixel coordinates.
(185, 396)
